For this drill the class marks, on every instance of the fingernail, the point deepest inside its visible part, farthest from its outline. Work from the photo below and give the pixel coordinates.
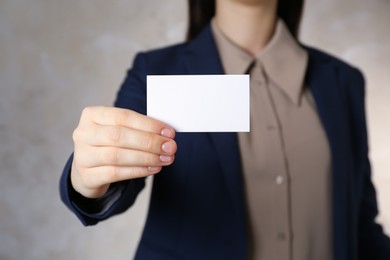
(167, 147)
(168, 133)
(165, 158)
(153, 168)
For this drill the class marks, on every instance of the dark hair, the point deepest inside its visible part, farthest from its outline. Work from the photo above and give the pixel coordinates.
(201, 12)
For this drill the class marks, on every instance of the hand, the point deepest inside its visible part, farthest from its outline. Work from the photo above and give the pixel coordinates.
(114, 144)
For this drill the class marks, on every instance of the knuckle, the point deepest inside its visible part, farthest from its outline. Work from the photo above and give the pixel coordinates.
(112, 174)
(87, 111)
(79, 165)
(76, 135)
(111, 155)
(83, 175)
(122, 117)
(114, 134)
(80, 170)
(140, 172)
(79, 135)
(148, 142)
(148, 159)
(137, 172)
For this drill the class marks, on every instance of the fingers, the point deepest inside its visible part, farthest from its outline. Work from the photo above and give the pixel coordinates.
(99, 176)
(125, 117)
(114, 156)
(123, 137)
(114, 144)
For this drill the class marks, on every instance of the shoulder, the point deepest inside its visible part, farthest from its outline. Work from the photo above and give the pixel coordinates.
(161, 60)
(169, 51)
(341, 68)
(339, 77)
(346, 77)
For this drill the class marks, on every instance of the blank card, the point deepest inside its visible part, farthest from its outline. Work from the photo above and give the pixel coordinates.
(200, 103)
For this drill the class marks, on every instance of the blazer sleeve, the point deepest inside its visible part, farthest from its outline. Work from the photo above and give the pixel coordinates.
(121, 195)
(372, 242)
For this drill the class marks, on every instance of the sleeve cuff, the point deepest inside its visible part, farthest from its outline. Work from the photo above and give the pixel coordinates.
(95, 208)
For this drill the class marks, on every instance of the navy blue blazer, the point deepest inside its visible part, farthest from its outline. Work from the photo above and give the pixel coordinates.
(197, 204)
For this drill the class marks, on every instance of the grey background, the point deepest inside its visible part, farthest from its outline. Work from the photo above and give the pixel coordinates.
(57, 57)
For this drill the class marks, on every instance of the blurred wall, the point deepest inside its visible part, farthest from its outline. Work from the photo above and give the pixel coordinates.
(57, 57)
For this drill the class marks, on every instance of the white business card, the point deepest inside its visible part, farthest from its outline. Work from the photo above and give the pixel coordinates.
(200, 103)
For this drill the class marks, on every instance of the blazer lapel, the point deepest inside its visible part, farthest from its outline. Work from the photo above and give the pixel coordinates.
(203, 58)
(321, 79)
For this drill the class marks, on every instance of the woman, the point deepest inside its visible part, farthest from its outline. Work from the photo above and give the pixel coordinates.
(296, 187)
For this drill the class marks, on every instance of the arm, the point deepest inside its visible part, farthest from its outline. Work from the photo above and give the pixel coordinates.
(372, 242)
(115, 149)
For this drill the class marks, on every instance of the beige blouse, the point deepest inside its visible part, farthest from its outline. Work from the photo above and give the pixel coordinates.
(285, 157)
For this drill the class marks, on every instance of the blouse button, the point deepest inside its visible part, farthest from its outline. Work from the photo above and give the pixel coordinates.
(281, 236)
(279, 179)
